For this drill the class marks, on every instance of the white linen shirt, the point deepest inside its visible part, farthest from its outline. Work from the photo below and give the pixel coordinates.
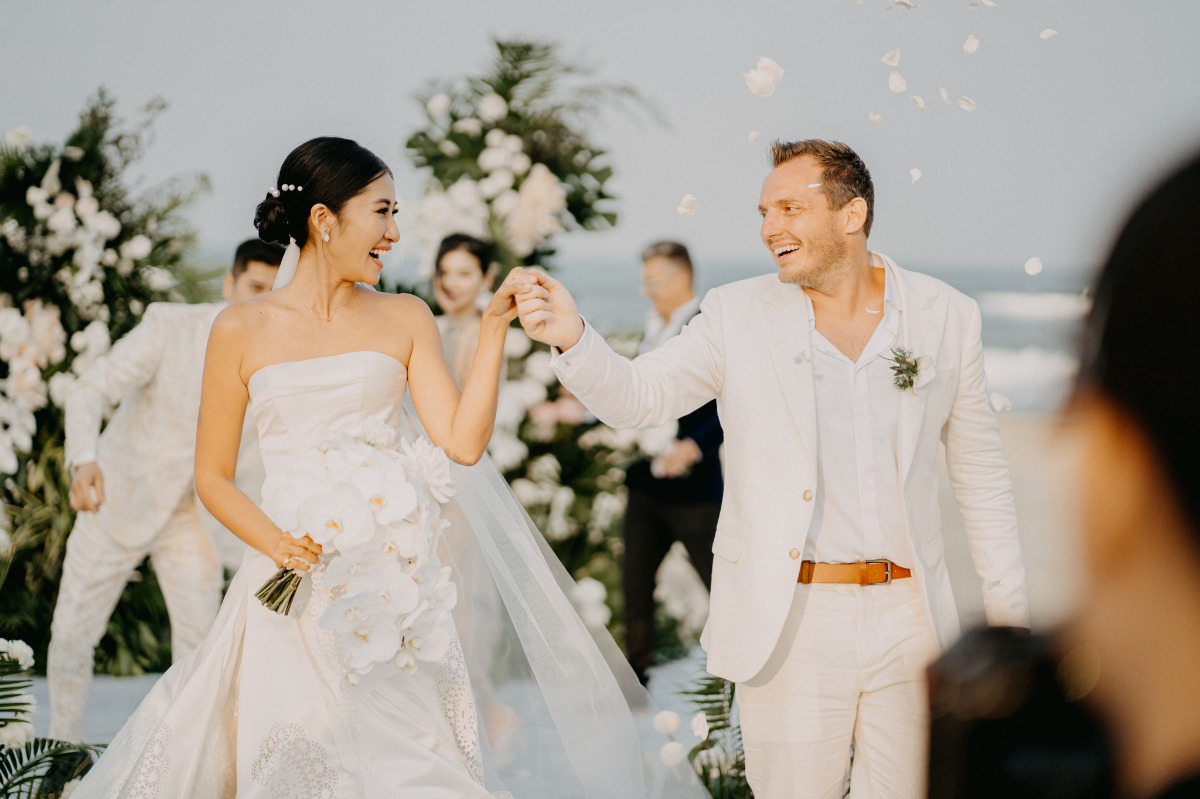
(858, 511)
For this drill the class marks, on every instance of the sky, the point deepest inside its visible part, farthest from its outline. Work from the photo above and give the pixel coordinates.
(1066, 134)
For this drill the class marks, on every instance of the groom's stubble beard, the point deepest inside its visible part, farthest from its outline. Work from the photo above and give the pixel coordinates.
(828, 255)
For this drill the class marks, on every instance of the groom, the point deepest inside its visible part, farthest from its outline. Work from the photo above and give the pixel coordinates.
(836, 379)
(132, 486)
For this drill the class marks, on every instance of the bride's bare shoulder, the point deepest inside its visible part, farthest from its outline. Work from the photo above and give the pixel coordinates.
(402, 309)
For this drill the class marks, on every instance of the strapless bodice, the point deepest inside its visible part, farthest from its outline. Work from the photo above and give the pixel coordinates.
(298, 404)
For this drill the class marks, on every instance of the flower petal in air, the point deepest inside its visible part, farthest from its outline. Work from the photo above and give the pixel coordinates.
(762, 79)
(971, 44)
(920, 101)
(752, 136)
(1000, 403)
(1048, 33)
(687, 206)
(874, 119)
(945, 95)
(966, 104)
(1033, 266)
(896, 82)
(915, 174)
(891, 58)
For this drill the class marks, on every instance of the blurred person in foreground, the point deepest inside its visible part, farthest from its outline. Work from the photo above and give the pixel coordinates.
(1136, 411)
(132, 485)
(676, 496)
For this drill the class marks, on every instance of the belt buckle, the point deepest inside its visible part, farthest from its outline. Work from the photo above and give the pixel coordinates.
(888, 570)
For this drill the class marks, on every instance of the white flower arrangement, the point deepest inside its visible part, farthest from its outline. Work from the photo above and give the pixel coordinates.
(17, 705)
(374, 507)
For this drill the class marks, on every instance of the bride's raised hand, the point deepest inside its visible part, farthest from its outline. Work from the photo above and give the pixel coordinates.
(518, 285)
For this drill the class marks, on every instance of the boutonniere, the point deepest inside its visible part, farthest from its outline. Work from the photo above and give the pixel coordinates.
(910, 371)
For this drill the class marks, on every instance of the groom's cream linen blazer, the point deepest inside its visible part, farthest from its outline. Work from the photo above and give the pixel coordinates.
(750, 349)
(152, 375)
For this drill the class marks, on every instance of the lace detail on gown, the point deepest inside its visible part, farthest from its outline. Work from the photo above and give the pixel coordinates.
(458, 706)
(291, 765)
(153, 767)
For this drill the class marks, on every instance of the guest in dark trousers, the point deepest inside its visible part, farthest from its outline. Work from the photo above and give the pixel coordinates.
(1136, 411)
(677, 495)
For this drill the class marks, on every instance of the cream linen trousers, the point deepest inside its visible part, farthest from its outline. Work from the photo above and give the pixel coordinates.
(95, 570)
(849, 667)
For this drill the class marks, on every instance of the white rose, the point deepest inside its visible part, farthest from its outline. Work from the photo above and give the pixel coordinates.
(86, 207)
(672, 753)
(18, 138)
(16, 734)
(492, 107)
(520, 163)
(514, 144)
(493, 158)
(60, 385)
(438, 106)
(159, 279)
(46, 332)
(50, 181)
(107, 227)
(469, 126)
(61, 221)
(544, 469)
(137, 248)
(495, 138)
(506, 450)
(517, 344)
(449, 148)
(25, 386)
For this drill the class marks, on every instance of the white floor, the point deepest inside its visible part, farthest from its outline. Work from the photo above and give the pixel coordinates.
(113, 699)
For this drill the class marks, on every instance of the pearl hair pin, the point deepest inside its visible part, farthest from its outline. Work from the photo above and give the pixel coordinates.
(274, 192)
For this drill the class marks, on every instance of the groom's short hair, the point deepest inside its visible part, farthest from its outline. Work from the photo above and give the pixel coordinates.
(844, 175)
(255, 250)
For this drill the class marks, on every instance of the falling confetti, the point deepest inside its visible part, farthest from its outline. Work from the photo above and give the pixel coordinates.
(763, 78)
(1033, 266)
(966, 104)
(905, 4)
(971, 44)
(753, 137)
(896, 82)
(1000, 403)
(875, 119)
(920, 101)
(945, 95)
(1049, 33)
(687, 206)
(915, 174)
(891, 58)
(988, 3)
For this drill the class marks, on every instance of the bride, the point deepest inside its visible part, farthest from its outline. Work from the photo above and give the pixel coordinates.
(429, 650)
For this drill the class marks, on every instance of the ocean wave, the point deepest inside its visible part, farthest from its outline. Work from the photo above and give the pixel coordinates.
(1034, 379)
(1040, 306)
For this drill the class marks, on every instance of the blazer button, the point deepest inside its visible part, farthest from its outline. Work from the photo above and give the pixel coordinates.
(794, 553)
(808, 495)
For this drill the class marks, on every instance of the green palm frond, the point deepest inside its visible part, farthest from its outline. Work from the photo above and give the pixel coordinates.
(720, 759)
(40, 768)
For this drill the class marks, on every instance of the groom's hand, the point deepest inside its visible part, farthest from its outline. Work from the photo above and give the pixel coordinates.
(551, 319)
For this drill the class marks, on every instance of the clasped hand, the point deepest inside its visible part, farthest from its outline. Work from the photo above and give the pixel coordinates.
(299, 554)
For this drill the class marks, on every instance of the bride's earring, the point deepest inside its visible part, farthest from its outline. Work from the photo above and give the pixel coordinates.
(325, 235)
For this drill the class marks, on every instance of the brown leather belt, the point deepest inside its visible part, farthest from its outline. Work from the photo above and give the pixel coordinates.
(864, 572)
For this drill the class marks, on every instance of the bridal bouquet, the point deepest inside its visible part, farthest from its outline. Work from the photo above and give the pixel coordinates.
(374, 506)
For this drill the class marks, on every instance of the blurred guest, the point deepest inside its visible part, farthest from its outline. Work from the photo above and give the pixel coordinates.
(132, 486)
(1137, 413)
(463, 270)
(677, 495)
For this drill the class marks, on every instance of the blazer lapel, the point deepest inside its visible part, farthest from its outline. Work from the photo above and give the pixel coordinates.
(922, 318)
(786, 323)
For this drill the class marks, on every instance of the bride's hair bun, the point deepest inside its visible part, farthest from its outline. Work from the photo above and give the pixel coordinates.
(271, 220)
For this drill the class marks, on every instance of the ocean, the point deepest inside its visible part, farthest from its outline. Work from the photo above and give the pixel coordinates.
(1031, 323)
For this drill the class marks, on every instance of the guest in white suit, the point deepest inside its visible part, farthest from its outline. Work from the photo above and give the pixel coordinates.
(829, 592)
(132, 486)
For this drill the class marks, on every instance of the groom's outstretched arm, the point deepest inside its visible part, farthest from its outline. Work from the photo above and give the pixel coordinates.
(654, 388)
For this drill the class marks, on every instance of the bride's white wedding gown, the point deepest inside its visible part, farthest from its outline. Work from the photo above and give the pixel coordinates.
(260, 709)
